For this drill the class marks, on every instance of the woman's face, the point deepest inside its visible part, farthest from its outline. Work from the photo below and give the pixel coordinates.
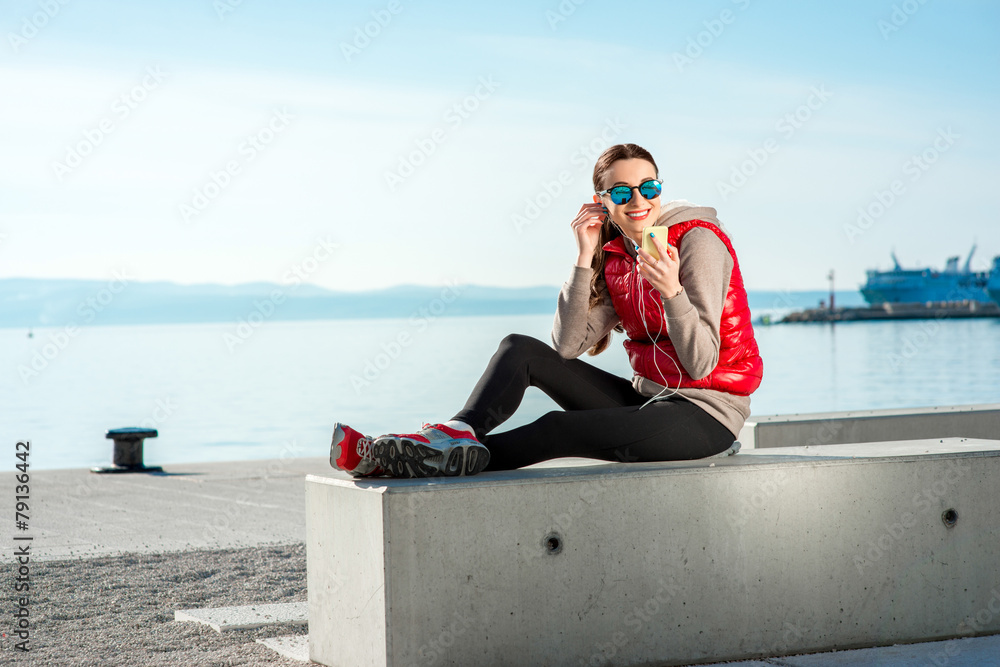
(638, 212)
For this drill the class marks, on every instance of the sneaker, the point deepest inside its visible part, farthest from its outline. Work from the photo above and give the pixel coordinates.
(352, 451)
(433, 451)
(733, 449)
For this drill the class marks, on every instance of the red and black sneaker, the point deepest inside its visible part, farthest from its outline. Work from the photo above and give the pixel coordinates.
(352, 451)
(435, 450)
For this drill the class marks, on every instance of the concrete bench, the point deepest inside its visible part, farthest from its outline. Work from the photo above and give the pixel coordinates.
(766, 553)
(831, 428)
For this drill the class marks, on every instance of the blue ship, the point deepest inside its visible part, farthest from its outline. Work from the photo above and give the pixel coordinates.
(993, 284)
(925, 285)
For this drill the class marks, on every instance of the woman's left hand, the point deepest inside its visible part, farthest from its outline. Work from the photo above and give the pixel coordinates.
(663, 274)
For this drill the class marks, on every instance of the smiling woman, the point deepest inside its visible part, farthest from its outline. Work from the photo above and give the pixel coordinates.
(688, 325)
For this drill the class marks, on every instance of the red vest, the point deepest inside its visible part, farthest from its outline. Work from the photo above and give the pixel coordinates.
(740, 367)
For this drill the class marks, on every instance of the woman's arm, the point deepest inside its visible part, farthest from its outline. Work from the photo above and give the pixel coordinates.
(694, 316)
(575, 329)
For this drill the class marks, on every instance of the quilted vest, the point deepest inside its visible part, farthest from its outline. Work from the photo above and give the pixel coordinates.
(740, 368)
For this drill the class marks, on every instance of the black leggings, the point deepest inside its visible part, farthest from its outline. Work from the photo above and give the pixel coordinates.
(600, 419)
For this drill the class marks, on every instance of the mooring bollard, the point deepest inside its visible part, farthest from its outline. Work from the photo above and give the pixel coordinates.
(127, 455)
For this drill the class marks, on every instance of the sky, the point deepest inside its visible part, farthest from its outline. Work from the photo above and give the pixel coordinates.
(371, 144)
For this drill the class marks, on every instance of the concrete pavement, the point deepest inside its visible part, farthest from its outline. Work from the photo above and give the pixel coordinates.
(77, 514)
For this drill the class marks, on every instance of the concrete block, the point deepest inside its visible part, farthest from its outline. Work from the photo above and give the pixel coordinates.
(247, 617)
(295, 647)
(831, 428)
(675, 563)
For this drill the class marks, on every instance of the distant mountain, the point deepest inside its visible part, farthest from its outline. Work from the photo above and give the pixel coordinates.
(29, 302)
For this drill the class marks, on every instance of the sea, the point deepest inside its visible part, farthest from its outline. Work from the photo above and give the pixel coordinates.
(222, 391)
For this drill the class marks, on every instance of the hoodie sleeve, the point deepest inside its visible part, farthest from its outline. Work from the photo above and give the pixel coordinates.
(577, 327)
(694, 316)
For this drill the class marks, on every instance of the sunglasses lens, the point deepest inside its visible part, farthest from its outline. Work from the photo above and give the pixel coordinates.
(621, 195)
(650, 189)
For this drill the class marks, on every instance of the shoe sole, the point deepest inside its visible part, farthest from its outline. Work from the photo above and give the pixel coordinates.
(339, 435)
(403, 457)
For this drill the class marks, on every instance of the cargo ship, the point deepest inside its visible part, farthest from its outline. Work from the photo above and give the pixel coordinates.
(993, 284)
(900, 294)
(924, 285)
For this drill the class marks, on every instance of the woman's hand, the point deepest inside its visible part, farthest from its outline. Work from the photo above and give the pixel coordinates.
(663, 274)
(587, 230)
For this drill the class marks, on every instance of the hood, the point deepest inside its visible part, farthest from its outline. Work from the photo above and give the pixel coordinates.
(681, 210)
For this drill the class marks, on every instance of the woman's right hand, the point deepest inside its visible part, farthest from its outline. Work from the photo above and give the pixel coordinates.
(587, 230)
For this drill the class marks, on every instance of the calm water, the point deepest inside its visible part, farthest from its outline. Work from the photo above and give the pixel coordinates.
(279, 391)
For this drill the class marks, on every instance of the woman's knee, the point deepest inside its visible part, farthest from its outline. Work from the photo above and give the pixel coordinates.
(521, 343)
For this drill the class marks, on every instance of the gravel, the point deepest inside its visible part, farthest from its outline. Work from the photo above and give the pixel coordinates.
(119, 610)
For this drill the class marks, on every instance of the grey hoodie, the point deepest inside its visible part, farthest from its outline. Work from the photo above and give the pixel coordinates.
(692, 318)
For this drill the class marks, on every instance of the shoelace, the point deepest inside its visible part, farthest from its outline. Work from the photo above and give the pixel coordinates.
(434, 427)
(364, 448)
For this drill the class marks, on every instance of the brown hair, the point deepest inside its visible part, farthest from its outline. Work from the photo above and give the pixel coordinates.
(609, 231)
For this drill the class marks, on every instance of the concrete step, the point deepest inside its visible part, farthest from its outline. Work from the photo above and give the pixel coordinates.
(735, 558)
(859, 426)
(295, 647)
(250, 617)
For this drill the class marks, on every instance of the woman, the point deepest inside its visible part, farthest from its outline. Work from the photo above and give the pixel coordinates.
(690, 344)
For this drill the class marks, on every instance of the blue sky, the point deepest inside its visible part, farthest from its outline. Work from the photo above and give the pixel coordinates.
(224, 141)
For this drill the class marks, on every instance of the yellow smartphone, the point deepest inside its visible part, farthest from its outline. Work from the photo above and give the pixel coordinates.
(647, 243)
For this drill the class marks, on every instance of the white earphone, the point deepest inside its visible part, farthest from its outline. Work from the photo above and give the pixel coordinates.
(645, 325)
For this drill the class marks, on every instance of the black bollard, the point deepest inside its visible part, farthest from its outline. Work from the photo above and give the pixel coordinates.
(127, 455)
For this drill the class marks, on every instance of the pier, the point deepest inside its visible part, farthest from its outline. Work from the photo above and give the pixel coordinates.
(896, 311)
